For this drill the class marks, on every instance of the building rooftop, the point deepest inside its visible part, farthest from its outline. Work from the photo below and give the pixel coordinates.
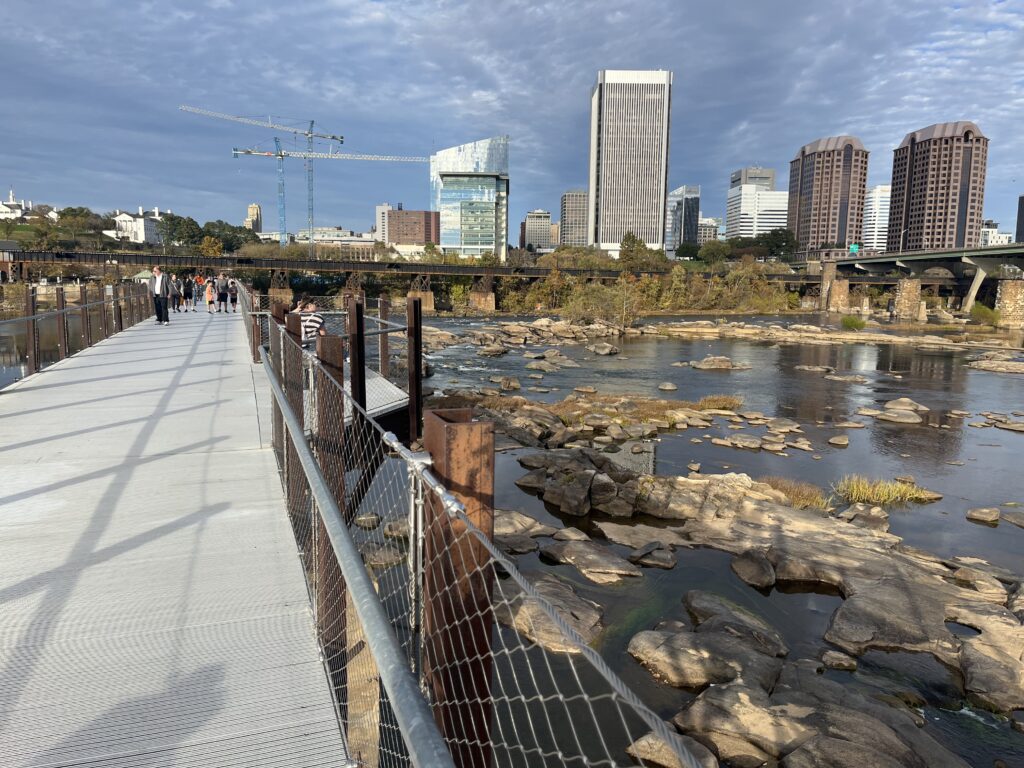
(942, 131)
(829, 144)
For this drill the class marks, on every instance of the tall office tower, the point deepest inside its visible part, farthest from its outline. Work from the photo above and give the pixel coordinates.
(380, 222)
(682, 212)
(254, 218)
(538, 229)
(753, 174)
(1020, 220)
(629, 130)
(412, 227)
(827, 179)
(938, 188)
(573, 224)
(469, 187)
(556, 231)
(751, 210)
(876, 217)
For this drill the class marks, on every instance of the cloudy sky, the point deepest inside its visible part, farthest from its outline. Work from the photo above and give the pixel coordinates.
(88, 104)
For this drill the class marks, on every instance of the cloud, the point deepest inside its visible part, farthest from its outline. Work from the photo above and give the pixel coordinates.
(92, 119)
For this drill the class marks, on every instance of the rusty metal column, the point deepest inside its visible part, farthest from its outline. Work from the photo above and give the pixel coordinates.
(357, 351)
(414, 363)
(458, 579)
(104, 314)
(83, 298)
(62, 325)
(115, 292)
(383, 312)
(31, 332)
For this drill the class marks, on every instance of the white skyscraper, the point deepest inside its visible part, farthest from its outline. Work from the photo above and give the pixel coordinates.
(876, 217)
(751, 210)
(380, 220)
(629, 130)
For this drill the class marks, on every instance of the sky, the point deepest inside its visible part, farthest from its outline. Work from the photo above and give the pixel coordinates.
(89, 103)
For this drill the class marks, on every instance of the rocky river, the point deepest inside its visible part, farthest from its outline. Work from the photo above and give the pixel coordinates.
(857, 636)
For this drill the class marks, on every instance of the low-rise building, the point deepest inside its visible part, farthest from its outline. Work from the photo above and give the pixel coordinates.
(413, 227)
(138, 227)
(707, 230)
(13, 209)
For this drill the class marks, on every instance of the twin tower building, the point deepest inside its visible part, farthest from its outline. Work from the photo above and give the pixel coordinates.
(936, 196)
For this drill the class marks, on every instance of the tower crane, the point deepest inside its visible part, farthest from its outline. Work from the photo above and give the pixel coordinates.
(309, 133)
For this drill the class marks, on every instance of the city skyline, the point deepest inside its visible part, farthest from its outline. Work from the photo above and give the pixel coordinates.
(68, 142)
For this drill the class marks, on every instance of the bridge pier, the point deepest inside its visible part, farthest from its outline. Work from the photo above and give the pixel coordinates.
(426, 299)
(828, 277)
(838, 295)
(908, 299)
(1010, 303)
(483, 301)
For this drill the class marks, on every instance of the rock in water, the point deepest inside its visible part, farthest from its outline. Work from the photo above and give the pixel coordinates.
(983, 514)
(525, 615)
(597, 563)
(904, 404)
(838, 660)
(603, 348)
(840, 441)
(753, 567)
(667, 386)
(899, 417)
(492, 350)
(651, 751)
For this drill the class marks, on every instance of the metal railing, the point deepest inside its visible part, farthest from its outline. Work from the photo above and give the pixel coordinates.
(41, 325)
(439, 651)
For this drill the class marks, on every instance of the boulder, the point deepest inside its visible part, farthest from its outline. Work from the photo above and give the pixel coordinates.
(571, 534)
(695, 660)
(983, 514)
(866, 516)
(603, 348)
(667, 386)
(651, 750)
(541, 365)
(596, 563)
(381, 555)
(713, 613)
(849, 378)
(717, 363)
(654, 554)
(753, 567)
(905, 404)
(1011, 426)
(492, 350)
(899, 417)
(526, 615)
(637, 535)
(509, 384)
(838, 660)
(827, 752)
(367, 521)
(516, 544)
(840, 441)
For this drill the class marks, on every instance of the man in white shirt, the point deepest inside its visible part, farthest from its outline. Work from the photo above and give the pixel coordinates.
(160, 289)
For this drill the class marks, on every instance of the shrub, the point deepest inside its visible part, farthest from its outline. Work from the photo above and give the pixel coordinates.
(853, 323)
(855, 488)
(719, 402)
(800, 494)
(984, 315)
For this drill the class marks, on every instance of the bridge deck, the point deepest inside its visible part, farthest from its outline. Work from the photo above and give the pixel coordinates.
(152, 607)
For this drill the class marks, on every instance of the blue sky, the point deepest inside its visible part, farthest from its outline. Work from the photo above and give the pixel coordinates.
(88, 106)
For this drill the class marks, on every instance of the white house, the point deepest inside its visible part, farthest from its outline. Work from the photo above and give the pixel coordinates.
(136, 227)
(12, 209)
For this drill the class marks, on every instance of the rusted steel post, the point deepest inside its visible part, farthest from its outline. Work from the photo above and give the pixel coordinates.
(293, 325)
(31, 333)
(115, 293)
(104, 312)
(414, 363)
(256, 336)
(83, 297)
(458, 579)
(383, 312)
(357, 351)
(62, 325)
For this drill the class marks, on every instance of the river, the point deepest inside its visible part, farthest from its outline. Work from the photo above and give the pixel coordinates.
(971, 467)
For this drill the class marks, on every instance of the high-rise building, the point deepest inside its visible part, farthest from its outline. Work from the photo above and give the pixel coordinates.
(876, 217)
(1020, 220)
(254, 218)
(753, 174)
(469, 187)
(380, 222)
(629, 132)
(990, 235)
(413, 227)
(751, 210)
(682, 212)
(707, 230)
(537, 230)
(938, 188)
(827, 180)
(573, 224)
(556, 231)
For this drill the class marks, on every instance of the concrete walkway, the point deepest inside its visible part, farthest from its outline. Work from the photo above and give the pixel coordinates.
(152, 607)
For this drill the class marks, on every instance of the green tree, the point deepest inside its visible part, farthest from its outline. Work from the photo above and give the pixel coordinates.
(687, 251)
(714, 252)
(211, 247)
(189, 232)
(231, 237)
(7, 226)
(781, 243)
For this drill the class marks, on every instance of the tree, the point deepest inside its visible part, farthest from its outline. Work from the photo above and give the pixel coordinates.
(714, 252)
(781, 243)
(189, 232)
(77, 221)
(687, 251)
(7, 226)
(211, 247)
(635, 256)
(231, 237)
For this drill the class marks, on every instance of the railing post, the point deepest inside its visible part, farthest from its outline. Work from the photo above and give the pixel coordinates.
(357, 351)
(83, 298)
(414, 363)
(383, 312)
(104, 314)
(31, 330)
(62, 324)
(115, 293)
(457, 620)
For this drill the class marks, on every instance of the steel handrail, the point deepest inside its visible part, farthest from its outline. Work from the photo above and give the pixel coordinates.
(425, 744)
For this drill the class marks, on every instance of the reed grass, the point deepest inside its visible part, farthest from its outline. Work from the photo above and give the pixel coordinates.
(858, 489)
(801, 495)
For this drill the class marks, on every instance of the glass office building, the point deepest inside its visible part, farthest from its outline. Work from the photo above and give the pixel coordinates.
(469, 188)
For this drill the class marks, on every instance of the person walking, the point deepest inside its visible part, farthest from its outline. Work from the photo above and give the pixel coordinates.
(210, 297)
(176, 290)
(222, 293)
(312, 323)
(160, 289)
(233, 295)
(188, 291)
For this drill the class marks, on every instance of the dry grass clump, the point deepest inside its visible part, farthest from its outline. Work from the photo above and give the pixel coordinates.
(856, 488)
(800, 494)
(719, 402)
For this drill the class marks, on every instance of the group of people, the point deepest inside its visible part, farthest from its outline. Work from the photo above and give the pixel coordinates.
(173, 294)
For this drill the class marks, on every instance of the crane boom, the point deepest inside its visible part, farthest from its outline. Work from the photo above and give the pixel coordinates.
(330, 156)
(260, 123)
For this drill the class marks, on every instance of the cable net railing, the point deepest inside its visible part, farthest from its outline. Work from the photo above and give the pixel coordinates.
(508, 679)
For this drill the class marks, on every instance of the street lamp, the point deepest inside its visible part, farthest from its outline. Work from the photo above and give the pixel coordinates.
(904, 232)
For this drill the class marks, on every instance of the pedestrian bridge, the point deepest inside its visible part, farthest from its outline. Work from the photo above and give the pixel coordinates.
(211, 561)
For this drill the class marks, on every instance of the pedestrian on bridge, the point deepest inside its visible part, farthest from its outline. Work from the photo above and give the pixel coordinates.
(160, 289)
(222, 293)
(233, 295)
(312, 323)
(188, 289)
(176, 290)
(211, 297)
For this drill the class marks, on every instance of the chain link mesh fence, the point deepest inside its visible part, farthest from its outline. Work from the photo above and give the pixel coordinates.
(509, 679)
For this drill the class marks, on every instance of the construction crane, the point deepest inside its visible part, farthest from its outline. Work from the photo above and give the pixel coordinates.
(281, 154)
(309, 133)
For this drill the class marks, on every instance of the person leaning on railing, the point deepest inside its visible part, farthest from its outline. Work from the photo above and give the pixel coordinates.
(312, 323)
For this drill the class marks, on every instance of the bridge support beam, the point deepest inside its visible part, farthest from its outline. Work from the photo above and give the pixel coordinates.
(1010, 303)
(908, 299)
(828, 277)
(838, 295)
(426, 299)
(983, 268)
(482, 301)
